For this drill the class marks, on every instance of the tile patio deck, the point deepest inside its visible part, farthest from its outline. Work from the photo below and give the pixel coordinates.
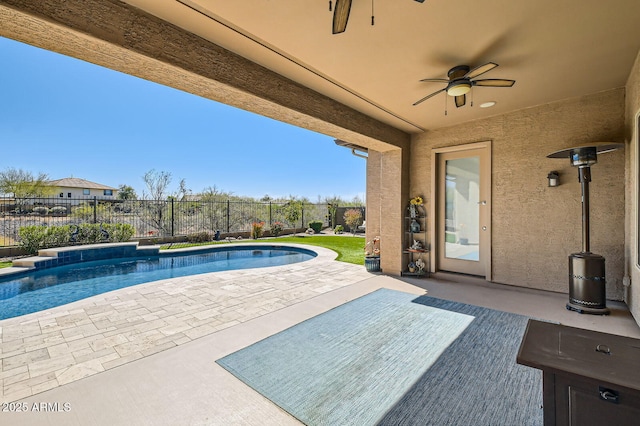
(146, 355)
(47, 349)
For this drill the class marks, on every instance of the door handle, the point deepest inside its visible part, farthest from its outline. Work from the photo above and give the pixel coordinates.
(482, 203)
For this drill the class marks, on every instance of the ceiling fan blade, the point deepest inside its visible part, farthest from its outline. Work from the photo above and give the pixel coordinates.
(436, 80)
(494, 82)
(429, 96)
(341, 15)
(481, 70)
(461, 100)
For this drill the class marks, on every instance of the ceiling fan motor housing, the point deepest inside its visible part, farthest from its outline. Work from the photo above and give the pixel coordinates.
(458, 72)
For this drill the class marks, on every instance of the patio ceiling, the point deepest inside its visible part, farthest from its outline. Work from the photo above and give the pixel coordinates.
(554, 50)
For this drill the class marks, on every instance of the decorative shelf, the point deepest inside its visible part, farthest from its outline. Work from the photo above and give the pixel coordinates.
(417, 232)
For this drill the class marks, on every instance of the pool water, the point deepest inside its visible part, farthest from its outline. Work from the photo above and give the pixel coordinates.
(48, 288)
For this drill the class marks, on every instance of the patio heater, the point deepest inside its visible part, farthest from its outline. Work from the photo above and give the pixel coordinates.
(587, 285)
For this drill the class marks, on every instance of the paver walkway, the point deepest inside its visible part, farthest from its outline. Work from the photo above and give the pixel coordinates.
(47, 349)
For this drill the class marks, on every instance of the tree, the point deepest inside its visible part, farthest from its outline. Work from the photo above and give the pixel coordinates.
(156, 212)
(292, 212)
(22, 184)
(353, 218)
(183, 191)
(157, 184)
(212, 193)
(332, 207)
(126, 192)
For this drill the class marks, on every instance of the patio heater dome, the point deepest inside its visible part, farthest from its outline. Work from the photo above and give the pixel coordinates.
(587, 284)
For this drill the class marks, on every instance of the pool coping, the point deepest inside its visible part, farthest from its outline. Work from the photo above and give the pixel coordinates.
(62, 256)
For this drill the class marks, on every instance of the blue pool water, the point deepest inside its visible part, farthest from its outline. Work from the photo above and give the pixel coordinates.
(47, 288)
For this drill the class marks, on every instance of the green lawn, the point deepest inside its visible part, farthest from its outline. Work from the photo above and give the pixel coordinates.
(5, 264)
(350, 249)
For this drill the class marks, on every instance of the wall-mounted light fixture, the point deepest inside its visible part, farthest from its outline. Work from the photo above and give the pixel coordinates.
(554, 178)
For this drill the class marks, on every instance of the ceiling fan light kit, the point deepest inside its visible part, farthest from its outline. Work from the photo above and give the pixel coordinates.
(458, 88)
(460, 80)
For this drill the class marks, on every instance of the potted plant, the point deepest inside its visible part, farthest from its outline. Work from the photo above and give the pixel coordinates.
(372, 255)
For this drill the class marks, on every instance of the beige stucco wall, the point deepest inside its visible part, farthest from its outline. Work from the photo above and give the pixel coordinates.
(534, 227)
(632, 138)
(387, 191)
(77, 194)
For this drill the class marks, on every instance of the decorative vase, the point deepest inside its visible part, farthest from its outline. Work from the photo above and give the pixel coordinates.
(413, 212)
(415, 226)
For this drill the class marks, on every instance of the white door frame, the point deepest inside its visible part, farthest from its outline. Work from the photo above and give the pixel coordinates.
(434, 204)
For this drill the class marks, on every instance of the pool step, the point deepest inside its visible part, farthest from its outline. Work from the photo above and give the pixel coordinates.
(49, 258)
(36, 262)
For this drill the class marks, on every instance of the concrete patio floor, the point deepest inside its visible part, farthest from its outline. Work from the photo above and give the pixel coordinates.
(146, 354)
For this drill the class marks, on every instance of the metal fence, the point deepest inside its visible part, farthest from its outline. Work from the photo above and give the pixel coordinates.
(151, 218)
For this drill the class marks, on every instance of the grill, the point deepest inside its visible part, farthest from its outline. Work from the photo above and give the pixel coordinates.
(587, 283)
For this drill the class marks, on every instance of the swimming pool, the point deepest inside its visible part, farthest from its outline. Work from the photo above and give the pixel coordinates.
(47, 288)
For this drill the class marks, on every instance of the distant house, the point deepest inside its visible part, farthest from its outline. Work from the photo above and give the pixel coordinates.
(76, 188)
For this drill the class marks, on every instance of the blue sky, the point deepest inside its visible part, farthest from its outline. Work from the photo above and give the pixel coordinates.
(66, 117)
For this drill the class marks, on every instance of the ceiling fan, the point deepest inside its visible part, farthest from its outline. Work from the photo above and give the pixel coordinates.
(341, 14)
(461, 79)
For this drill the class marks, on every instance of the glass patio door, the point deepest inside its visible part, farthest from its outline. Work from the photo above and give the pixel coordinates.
(464, 211)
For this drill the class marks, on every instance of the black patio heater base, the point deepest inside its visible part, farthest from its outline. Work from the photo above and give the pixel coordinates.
(587, 291)
(587, 283)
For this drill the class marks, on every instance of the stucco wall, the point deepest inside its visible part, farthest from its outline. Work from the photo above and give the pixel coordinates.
(78, 193)
(387, 190)
(631, 132)
(534, 227)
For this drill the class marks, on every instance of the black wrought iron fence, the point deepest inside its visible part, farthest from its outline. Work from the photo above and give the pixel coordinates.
(152, 218)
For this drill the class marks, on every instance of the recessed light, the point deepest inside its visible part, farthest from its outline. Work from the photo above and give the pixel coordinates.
(488, 104)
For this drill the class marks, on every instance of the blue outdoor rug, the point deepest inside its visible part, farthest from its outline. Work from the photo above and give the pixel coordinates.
(391, 358)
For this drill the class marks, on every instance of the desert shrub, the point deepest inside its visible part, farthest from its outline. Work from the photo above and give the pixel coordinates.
(316, 225)
(85, 212)
(277, 228)
(58, 210)
(199, 237)
(339, 229)
(41, 210)
(56, 236)
(353, 218)
(257, 229)
(120, 232)
(89, 233)
(34, 238)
